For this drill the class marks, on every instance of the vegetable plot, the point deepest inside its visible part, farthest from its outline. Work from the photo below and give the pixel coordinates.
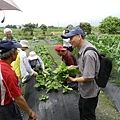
(56, 77)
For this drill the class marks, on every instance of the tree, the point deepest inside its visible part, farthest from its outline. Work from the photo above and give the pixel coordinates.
(43, 27)
(29, 27)
(109, 25)
(86, 27)
(10, 26)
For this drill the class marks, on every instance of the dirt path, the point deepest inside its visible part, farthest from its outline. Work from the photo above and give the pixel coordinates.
(105, 109)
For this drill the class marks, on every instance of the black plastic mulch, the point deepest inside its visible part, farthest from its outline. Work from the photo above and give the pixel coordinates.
(113, 92)
(59, 106)
(50, 41)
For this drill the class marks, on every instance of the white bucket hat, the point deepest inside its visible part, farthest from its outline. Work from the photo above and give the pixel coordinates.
(32, 55)
(24, 43)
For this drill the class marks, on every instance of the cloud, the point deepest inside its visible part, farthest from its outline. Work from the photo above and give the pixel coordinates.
(62, 12)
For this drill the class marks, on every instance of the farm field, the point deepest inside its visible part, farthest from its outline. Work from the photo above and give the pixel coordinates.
(110, 45)
(105, 109)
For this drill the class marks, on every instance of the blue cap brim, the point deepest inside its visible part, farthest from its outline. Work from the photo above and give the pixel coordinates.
(67, 35)
(17, 45)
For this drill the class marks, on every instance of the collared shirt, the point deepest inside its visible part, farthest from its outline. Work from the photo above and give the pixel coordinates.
(69, 59)
(9, 88)
(13, 39)
(89, 66)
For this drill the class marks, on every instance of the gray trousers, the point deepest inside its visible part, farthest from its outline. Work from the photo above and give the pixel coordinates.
(10, 112)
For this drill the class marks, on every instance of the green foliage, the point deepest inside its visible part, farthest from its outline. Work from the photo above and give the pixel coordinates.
(45, 80)
(109, 25)
(86, 27)
(66, 89)
(117, 81)
(44, 97)
(63, 72)
(52, 85)
(55, 79)
(40, 37)
(26, 37)
(29, 27)
(109, 45)
(74, 52)
(43, 27)
(10, 26)
(1, 37)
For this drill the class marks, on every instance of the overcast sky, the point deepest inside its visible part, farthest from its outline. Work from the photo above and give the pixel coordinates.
(61, 12)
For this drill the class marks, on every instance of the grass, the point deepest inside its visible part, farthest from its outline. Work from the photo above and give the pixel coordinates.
(53, 53)
(105, 109)
(117, 81)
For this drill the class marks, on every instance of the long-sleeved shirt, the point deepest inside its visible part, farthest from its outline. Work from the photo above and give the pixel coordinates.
(24, 65)
(21, 65)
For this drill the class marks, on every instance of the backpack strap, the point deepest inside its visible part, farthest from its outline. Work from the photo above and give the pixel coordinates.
(91, 48)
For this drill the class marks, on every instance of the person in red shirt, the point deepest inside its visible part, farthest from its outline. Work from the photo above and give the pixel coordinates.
(69, 59)
(11, 98)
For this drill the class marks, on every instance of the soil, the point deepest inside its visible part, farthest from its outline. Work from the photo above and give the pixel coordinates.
(105, 109)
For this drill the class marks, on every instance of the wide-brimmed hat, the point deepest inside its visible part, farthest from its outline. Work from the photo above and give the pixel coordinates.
(24, 43)
(7, 45)
(32, 55)
(59, 47)
(73, 32)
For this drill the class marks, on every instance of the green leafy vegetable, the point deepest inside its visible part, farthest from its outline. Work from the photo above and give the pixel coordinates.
(63, 72)
(66, 89)
(44, 97)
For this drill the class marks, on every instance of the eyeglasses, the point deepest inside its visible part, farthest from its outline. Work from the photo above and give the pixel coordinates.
(58, 50)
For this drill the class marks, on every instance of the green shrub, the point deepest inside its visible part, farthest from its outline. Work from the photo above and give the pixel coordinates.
(41, 37)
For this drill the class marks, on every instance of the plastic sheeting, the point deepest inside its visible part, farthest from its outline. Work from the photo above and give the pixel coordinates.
(49, 41)
(59, 106)
(113, 92)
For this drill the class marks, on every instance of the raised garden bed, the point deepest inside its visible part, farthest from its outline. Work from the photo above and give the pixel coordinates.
(59, 106)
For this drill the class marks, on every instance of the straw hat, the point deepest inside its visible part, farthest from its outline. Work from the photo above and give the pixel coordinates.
(32, 55)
